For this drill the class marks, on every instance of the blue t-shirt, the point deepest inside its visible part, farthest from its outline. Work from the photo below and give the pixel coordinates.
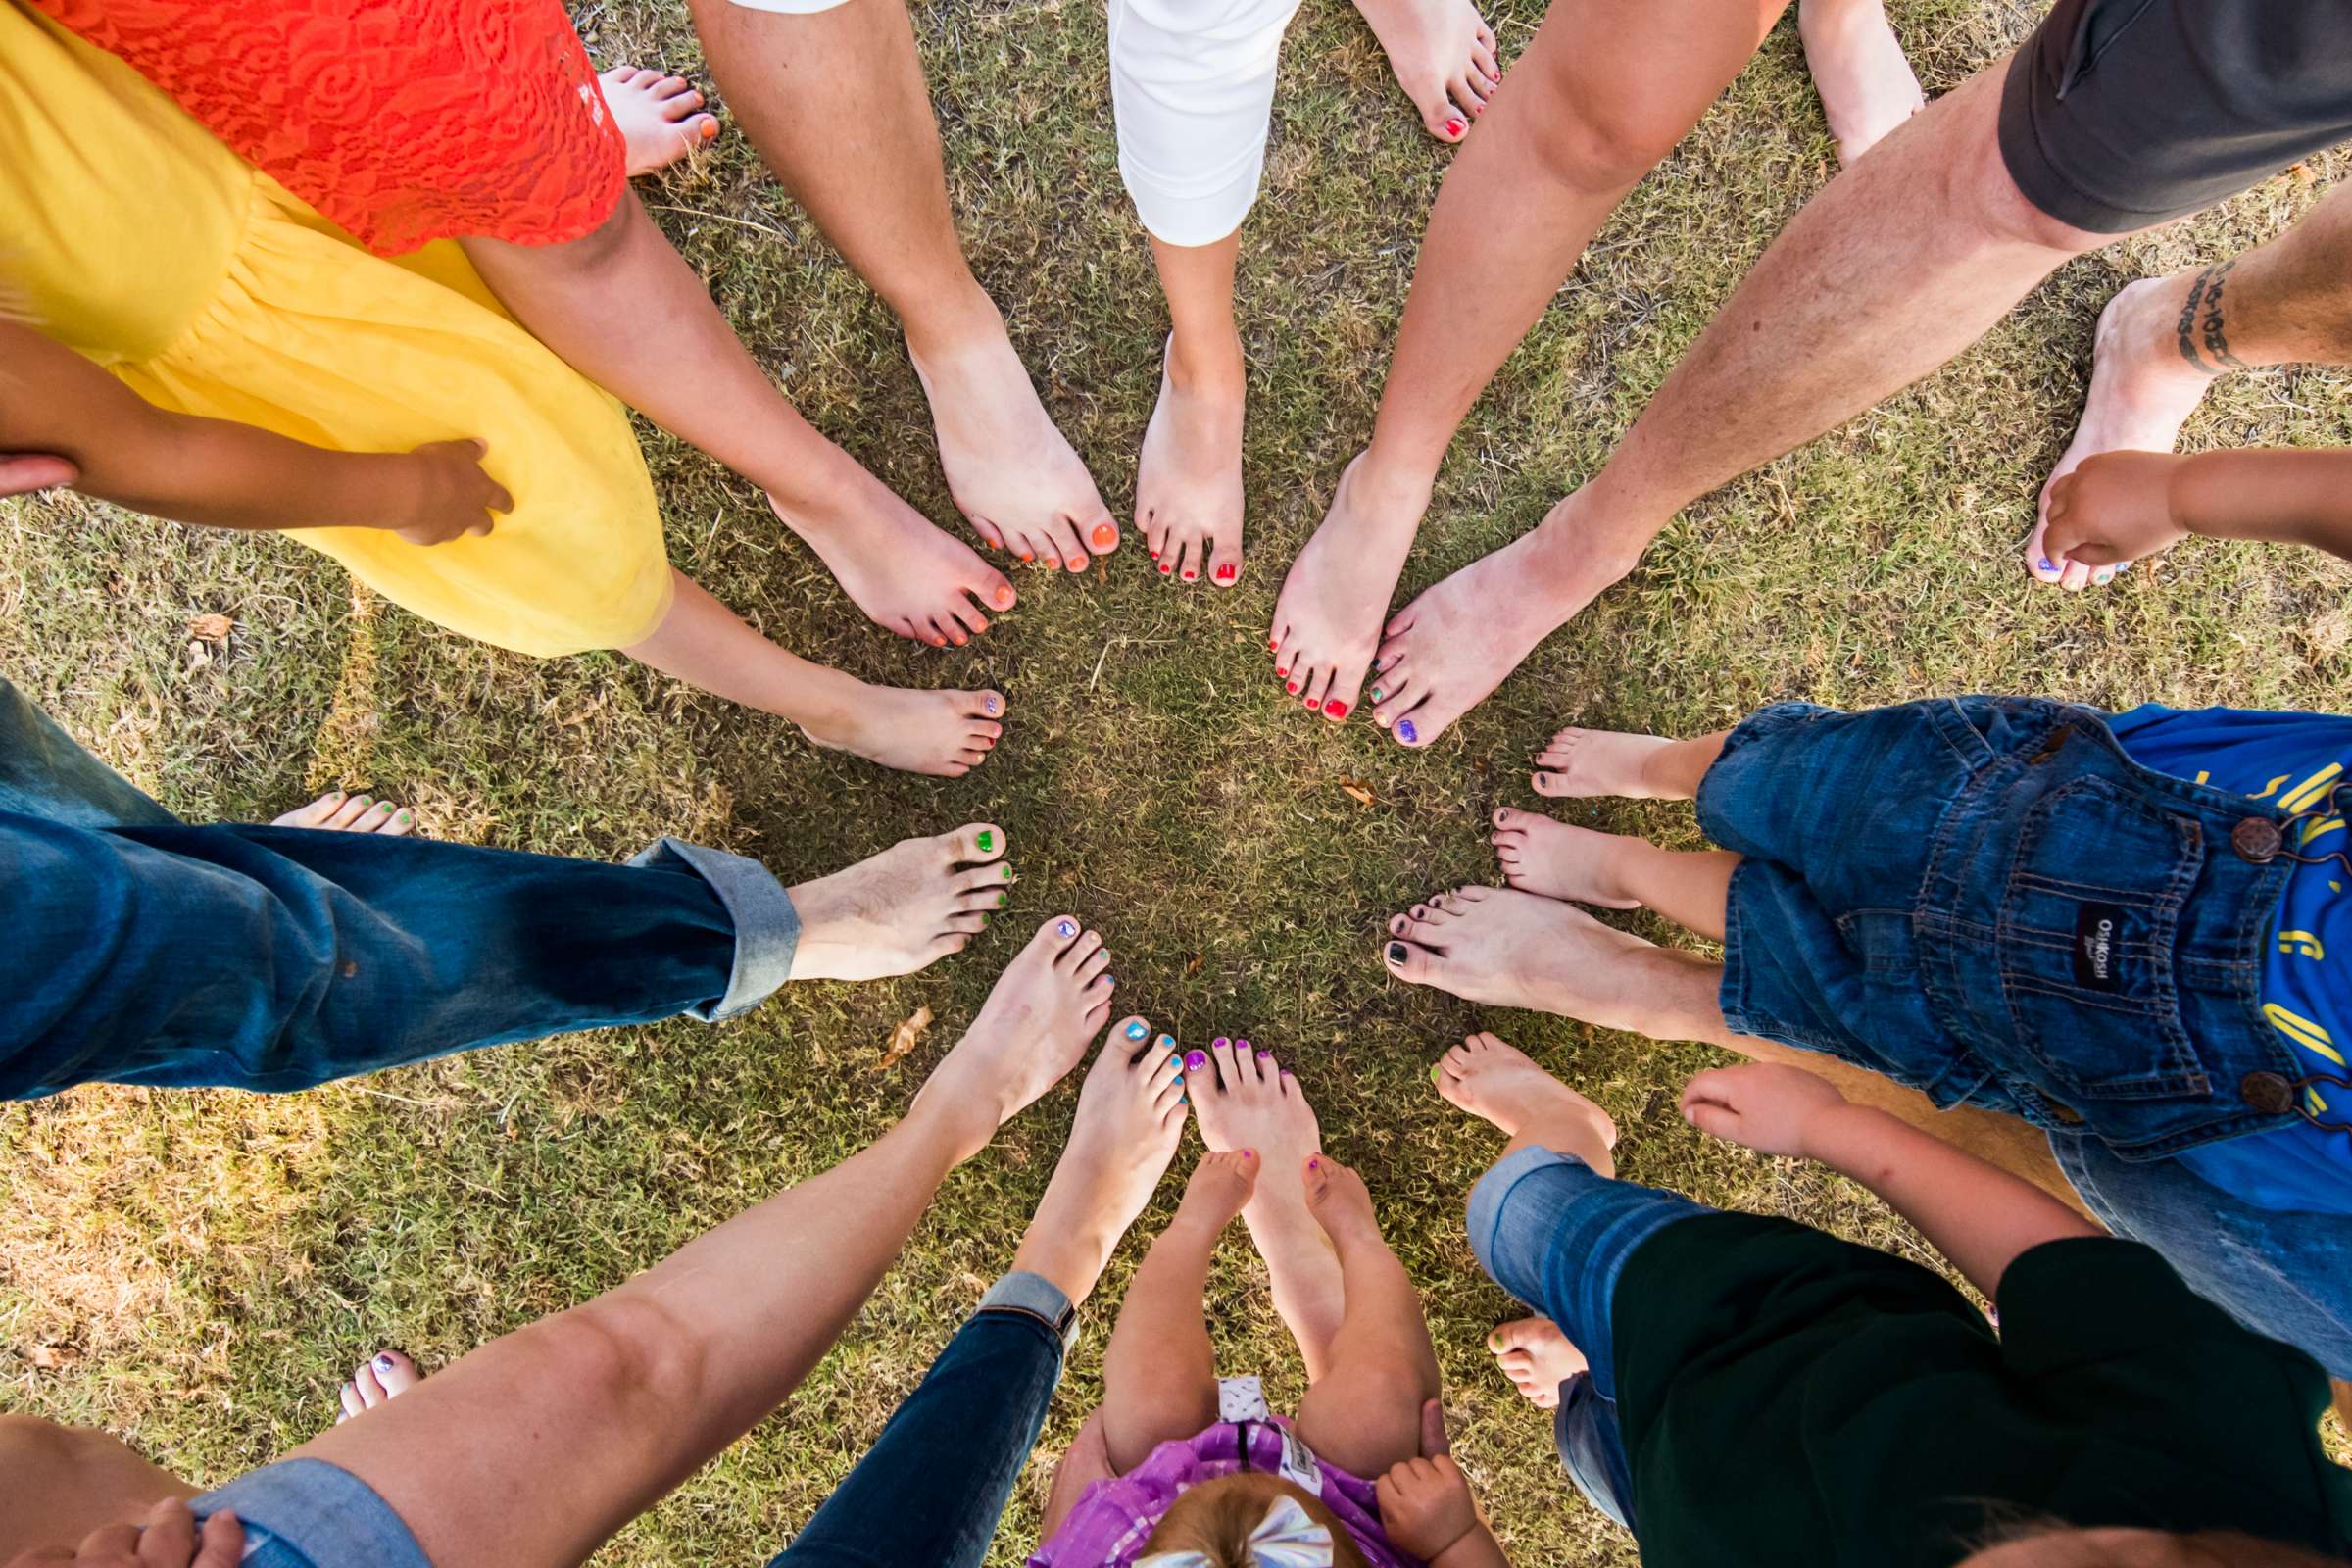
(2293, 762)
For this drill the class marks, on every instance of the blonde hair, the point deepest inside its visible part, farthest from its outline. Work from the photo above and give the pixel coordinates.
(1216, 1519)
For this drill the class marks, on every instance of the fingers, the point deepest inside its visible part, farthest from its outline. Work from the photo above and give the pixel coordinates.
(1434, 1441)
(223, 1542)
(171, 1538)
(22, 472)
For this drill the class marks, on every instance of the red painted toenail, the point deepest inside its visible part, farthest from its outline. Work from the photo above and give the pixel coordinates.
(1272, 645)
(1313, 705)
(1290, 686)
(1454, 127)
(1225, 572)
(1279, 671)
(1164, 566)
(1335, 710)
(1190, 574)
(1026, 556)
(1154, 555)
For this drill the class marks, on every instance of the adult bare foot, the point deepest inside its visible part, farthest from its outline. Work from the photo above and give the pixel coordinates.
(907, 576)
(1515, 950)
(1559, 860)
(1013, 474)
(1537, 1358)
(942, 733)
(2142, 390)
(1327, 622)
(339, 811)
(903, 909)
(1443, 55)
(1496, 1082)
(1188, 482)
(1130, 1119)
(1050, 1000)
(657, 116)
(388, 1376)
(1250, 1102)
(1867, 86)
(1580, 763)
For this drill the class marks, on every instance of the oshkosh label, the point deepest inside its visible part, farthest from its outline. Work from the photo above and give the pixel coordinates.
(2098, 935)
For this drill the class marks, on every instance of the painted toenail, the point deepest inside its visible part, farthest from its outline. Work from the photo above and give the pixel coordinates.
(988, 839)
(1003, 596)
(1076, 562)
(1154, 554)
(1406, 731)
(1220, 1042)
(404, 816)
(1197, 1062)
(1248, 1153)
(1176, 1062)
(1335, 710)
(1280, 670)
(1396, 952)
(1376, 693)
(1313, 705)
(1136, 1031)
(1272, 646)
(1225, 574)
(1314, 1164)
(2045, 565)
(1190, 574)
(1026, 556)
(383, 1363)
(1105, 535)
(1290, 686)
(1009, 876)
(1165, 569)
(1266, 1056)
(1243, 1045)
(1003, 899)
(989, 702)
(1454, 127)
(1168, 1043)
(1434, 1071)
(1067, 929)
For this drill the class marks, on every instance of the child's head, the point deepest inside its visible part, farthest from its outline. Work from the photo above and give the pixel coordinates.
(1249, 1521)
(2065, 1546)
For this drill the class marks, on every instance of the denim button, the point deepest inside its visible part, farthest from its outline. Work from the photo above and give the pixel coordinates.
(2255, 839)
(2267, 1093)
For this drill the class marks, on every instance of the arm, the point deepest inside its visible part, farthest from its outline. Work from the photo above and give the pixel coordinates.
(222, 475)
(2127, 505)
(1977, 1215)
(1426, 1509)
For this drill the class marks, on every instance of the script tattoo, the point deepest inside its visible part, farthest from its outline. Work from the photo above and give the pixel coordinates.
(2205, 298)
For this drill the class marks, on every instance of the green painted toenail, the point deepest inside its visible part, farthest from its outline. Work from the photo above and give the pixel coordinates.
(404, 816)
(1003, 899)
(1009, 873)
(987, 839)
(384, 805)
(1433, 1072)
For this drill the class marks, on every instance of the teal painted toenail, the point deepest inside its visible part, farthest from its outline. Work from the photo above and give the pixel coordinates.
(1136, 1031)
(1168, 1043)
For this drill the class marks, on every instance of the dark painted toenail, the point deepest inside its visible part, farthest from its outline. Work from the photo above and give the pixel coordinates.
(1406, 731)
(383, 1363)
(1396, 952)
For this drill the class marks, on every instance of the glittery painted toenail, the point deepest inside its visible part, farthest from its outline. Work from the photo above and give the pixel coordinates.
(1067, 929)
(1196, 1063)
(1137, 1031)
(1406, 731)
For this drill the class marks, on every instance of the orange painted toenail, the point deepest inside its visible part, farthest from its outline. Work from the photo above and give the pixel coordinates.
(1105, 535)
(1026, 556)
(1003, 596)
(1076, 562)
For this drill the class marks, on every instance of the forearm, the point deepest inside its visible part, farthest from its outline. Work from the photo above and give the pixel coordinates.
(1978, 1216)
(1477, 1549)
(2286, 495)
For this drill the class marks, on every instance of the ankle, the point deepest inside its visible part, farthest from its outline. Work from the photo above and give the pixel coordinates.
(951, 322)
(1207, 364)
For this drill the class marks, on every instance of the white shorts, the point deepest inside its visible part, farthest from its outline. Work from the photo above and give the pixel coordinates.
(1192, 83)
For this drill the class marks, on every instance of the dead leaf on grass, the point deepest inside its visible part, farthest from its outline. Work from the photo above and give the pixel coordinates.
(1356, 792)
(213, 629)
(902, 1039)
(52, 1357)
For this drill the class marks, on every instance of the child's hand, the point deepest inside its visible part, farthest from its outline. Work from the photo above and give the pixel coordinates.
(2117, 507)
(1426, 1506)
(452, 496)
(1763, 1105)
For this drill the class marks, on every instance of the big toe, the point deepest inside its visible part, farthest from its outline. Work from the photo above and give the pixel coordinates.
(975, 843)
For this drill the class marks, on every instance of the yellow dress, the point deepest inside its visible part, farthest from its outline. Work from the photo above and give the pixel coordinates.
(132, 236)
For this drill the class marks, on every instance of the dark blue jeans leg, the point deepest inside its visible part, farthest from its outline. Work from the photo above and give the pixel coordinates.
(931, 1491)
(44, 772)
(1592, 1448)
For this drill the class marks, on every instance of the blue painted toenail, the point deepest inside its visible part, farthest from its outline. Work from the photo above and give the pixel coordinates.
(1406, 731)
(1137, 1031)
(1067, 929)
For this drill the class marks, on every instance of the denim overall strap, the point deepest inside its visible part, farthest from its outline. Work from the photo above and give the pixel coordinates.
(2094, 932)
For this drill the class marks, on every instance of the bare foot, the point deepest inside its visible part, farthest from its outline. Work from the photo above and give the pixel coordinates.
(1130, 1119)
(1327, 622)
(1515, 950)
(903, 909)
(2142, 390)
(1443, 55)
(1580, 763)
(1336, 1196)
(1222, 1184)
(903, 572)
(387, 1377)
(341, 813)
(1496, 1082)
(657, 116)
(1012, 474)
(1559, 860)
(1188, 482)
(1050, 1000)
(942, 733)
(1250, 1102)
(1867, 86)
(1537, 1358)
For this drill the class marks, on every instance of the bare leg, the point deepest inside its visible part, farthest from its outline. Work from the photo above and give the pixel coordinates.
(66, 1482)
(1188, 485)
(836, 104)
(708, 645)
(537, 1446)
(1443, 55)
(704, 387)
(1578, 764)
(1363, 1412)
(1561, 861)
(1160, 1371)
(1594, 102)
(1251, 1102)
(2162, 340)
(1866, 87)
(1900, 262)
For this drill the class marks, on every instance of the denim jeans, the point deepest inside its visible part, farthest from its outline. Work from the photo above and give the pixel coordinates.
(1556, 1234)
(141, 950)
(931, 1491)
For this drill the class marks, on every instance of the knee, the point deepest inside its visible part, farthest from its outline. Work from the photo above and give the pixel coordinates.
(627, 1356)
(1598, 141)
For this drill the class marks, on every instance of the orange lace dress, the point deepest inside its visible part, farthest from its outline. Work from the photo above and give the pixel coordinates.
(399, 120)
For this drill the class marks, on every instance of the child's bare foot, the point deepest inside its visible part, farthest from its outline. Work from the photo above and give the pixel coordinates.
(341, 813)
(903, 909)
(387, 1377)
(903, 571)
(1508, 949)
(1867, 86)
(1033, 1029)
(1580, 763)
(1012, 472)
(1536, 1356)
(944, 733)
(1221, 1183)
(2142, 390)
(1130, 1119)
(1327, 622)
(657, 116)
(1336, 1196)
(1443, 55)
(1561, 861)
(1495, 1082)
(1188, 482)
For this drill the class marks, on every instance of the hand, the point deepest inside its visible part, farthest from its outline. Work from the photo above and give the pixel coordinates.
(169, 1540)
(2116, 507)
(1426, 1506)
(22, 473)
(1763, 1104)
(453, 497)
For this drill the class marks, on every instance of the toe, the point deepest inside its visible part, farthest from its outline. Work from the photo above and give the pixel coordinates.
(395, 1372)
(313, 815)
(1407, 960)
(982, 705)
(1057, 935)
(371, 1390)
(380, 817)
(399, 824)
(1224, 563)
(353, 809)
(1229, 1069)
(1103, 535)
(351, 1402)
(975, 844)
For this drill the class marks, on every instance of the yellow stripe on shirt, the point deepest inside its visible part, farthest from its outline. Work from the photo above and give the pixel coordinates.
(2302, 1031)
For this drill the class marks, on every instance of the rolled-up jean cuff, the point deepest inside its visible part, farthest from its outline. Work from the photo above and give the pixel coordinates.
(319, 1513)
(1487, 1197)
(1032, 1295)
(767, 928)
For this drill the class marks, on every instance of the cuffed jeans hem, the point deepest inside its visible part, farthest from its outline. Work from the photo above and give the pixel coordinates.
(1033, 1296)
(767, 928)
(308, 1513)
(1592, 1448)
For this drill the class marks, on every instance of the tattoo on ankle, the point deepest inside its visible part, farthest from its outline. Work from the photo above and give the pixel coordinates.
(2205, 297)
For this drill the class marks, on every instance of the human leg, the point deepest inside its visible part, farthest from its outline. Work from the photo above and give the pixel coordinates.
(1363, 1413)
(1442, 53)
(1866, 87)
(47, 773)
(66, 1482)
(1576, 763)
(1614, 871)
(1188, 480)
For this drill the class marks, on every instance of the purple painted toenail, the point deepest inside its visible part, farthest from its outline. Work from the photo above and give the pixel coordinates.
(383, 1363)
(1196, 1063)
(1067, 929)
(990, 704)
(1220, 1042)
(1406, 731)
(2045, 565)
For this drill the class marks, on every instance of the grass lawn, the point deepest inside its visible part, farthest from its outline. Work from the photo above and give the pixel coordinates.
(198, 1271)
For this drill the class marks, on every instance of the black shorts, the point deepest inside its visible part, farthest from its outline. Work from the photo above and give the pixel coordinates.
(2118, 113)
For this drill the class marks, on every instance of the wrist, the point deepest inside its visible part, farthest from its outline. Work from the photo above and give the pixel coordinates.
(2188, 495)
(1843, 1136)
(1472, 1549)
